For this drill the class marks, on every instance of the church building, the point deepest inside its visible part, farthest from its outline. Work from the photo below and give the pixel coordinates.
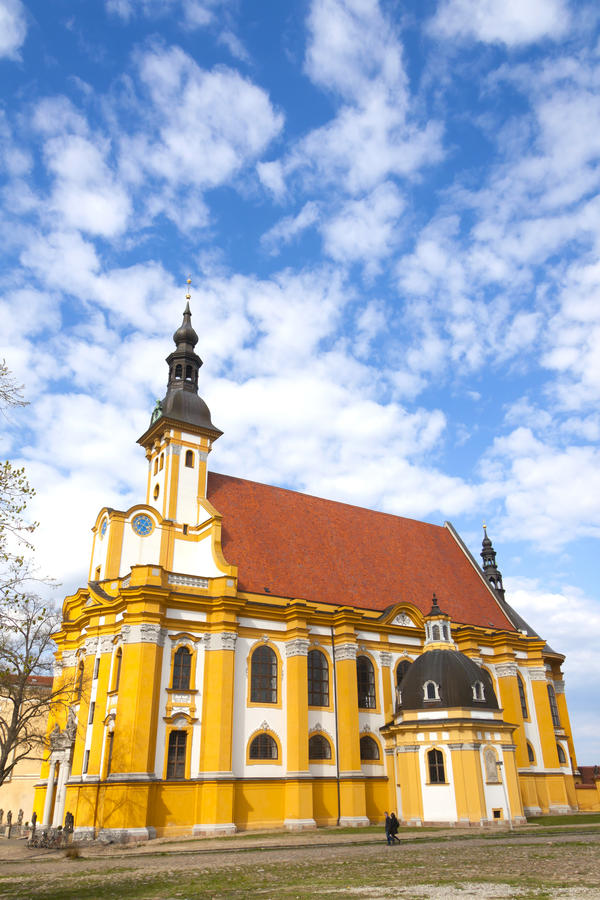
(246, 656)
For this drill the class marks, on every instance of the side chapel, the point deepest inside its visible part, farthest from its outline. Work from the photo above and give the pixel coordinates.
(247, 656)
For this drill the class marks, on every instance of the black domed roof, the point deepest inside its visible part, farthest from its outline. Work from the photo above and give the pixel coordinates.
(189, 408)
(454, 673)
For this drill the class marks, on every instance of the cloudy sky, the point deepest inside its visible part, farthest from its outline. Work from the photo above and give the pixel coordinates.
(390, 214)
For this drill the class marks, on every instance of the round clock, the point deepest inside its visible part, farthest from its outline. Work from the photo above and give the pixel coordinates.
(142, 525)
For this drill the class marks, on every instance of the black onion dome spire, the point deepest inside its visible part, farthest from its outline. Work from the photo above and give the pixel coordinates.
(490, 569)
(185, 334)
(182, 401)
(435, 610)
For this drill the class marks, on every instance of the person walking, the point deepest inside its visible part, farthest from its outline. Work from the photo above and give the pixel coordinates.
(388, 829)
(394, 826)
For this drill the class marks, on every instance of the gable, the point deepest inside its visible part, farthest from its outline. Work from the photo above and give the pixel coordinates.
(294, 545)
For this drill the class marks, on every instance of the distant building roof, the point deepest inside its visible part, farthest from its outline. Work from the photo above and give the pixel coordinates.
(295, 545)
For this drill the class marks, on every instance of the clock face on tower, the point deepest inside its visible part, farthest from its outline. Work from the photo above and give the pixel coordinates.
(103, 527)
(142, 525)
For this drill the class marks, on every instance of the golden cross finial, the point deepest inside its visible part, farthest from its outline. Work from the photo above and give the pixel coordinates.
(188, 282)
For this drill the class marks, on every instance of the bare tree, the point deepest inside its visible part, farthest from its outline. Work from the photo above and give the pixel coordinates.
(27, 691)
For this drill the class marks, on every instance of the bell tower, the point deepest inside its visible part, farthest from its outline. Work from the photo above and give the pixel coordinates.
(180, 435)
(490, 569)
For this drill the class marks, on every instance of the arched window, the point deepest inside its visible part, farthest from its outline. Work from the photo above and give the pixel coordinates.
(117, 669)
(401, 670)
(365, 677)
(561, 755)
(491, 769)
(435, 633)
(553, 706)
(478, 691)
(263, 746)
(435, 761)
(79, 682)
(178, 371)
(161, 461)
(530, 754)
(522, 698)
(319, 747)
(263, 676)
(189, 459)
(431, 691)
(446, 631)
(156, 492)
(188, 373)
(156, 465)
(176, 754)
(369, 749)
(181, 669)
(318, 679)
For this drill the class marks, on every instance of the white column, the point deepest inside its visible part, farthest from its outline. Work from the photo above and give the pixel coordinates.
(59, 804)
(49, 793)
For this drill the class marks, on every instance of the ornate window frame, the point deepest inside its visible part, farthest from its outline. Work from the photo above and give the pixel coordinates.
(322, 650)
(264, 762)
(264, 704)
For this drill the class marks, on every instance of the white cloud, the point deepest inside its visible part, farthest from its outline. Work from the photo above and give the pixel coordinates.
(204, 126)
(284, 231)
(509, 22)
(366, 229)
(195, 13)
(13, 28)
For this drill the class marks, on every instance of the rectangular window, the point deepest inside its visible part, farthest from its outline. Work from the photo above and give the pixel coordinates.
(86, 760)
(96, 667)
(109, 752)
(176, 755)
(92, 711)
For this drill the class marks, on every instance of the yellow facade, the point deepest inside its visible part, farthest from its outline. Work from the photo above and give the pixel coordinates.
(196, 715)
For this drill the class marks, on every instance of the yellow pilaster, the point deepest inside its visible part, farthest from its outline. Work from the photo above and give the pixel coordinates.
(173, 481)
(216, 807)
(134, 746)
(298, 788)
(409, 779)
(352, 788)
(115, 546)
(545, 726)
(510, 701)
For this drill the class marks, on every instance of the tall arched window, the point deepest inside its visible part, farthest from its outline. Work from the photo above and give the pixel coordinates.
(435, 761)
(176, 754)
(189, 459)
(431, 691)
(318, 679)
(401, 670)
(319, 747)
(181, 669)
(530, 754)
(365, 678)
(178, 371)
(491, 769)
(188, 373)
(522, 698)
(369, 749)
(435, 633)
(79, 682)
(263, 746)
(263, 676)
(553, 706)
(117, 669)
(478, 692)
(561, 755)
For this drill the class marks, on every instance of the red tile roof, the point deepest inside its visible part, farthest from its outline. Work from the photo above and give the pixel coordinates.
(294, 545)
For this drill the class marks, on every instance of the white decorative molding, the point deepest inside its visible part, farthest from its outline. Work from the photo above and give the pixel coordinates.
(385, 659)
(345, 651)
(403, 619)
(175, 449)
(506, 670)
(221, 640)
(559, 687)
(69, 658)
(366, 729)
(316, 727)
(90, 646)
(297, 647)
(264, 726)
(145, 633)
(537, 673)
(106, 643)
(182, 698)
(265, 638)
(189, 580)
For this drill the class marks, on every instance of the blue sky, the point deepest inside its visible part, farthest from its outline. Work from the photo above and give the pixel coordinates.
(390, 214)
